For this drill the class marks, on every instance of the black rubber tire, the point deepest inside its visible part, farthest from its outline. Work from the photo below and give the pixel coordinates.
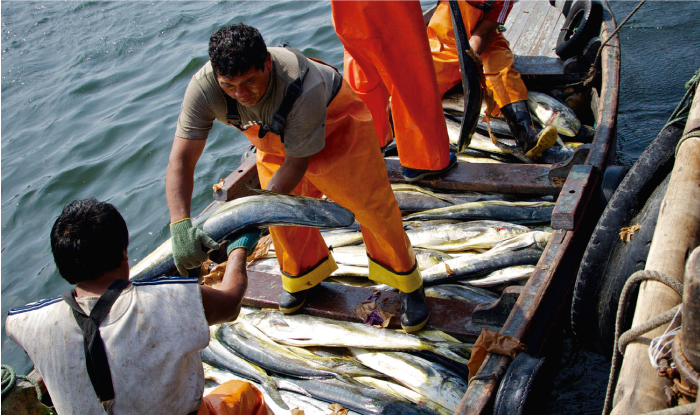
(582, 24)
(643, 178)
(626, 259)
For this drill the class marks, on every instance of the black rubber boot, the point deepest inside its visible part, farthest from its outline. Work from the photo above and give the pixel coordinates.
(517, 116)
(414, 310)
(291, 302)
(532, 142)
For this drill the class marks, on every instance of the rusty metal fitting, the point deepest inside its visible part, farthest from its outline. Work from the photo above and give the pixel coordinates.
(689, 376)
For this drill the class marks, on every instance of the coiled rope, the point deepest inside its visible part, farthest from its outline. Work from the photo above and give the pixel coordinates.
(622, 340)
(9, 381)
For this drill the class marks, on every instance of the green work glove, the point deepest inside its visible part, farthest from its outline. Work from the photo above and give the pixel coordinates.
(187, 244)
(246, 239)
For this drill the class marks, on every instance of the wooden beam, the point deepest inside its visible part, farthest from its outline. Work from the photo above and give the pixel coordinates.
(677, 233)
(338, 302)
(240, 181)
(572, 201)
(496, 178)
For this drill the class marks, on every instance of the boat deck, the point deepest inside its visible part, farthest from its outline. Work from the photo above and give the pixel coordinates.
(533, 40)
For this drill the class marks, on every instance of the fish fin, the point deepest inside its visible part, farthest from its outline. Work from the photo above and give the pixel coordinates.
(271, 387)
(267, 192)
(291, 387)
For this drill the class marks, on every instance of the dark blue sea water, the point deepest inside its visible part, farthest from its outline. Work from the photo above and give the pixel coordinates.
(91, 92)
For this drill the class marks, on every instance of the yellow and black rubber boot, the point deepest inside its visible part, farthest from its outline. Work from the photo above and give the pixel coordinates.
(532, 142)
(414, 310)
(291, 302)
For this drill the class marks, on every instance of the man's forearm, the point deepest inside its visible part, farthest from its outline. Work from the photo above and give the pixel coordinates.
(288, 176)
(178, 191)
(481, 35)
(224, 304)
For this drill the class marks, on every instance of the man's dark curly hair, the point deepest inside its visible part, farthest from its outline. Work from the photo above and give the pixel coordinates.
(88, 239)
(234, 49)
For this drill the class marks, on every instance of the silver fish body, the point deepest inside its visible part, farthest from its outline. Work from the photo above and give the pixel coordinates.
(268, 354)
(464, 236)
(220, 357)
(253, 211)
(461, 293)
(304, 330)
(503, 276)
(524, 249)
(426, 378)
(515, 212)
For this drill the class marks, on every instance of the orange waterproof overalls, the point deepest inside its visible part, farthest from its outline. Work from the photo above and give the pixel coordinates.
(350, 171)
(234, 397)
(386, 54)
(497, 58)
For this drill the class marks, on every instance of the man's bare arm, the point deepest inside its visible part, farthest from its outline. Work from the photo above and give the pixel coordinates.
(224, 304)
(288, 176)
(480, 36)
(179, 178)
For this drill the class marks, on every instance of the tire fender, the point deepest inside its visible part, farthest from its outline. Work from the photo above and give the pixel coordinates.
(582, 24)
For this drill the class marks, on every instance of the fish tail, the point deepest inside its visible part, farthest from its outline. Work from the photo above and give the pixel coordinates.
(447, 350)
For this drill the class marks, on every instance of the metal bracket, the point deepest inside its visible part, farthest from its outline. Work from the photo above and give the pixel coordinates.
(561, 170)
(496, 312)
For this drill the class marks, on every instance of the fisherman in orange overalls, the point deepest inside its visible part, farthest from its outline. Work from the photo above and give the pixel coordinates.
(314, 137)
(387, 55)
(481, 21)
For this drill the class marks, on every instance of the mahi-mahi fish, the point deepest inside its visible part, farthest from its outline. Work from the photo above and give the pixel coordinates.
(524, 249)
(253, 211)
(304, 330)
(426, 378)
(514, 212)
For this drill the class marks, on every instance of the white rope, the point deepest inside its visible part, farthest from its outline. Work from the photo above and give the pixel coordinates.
(661, 346)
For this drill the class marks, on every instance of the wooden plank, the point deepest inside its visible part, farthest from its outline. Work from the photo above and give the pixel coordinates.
(639, 389)
(338, 302)
(517, 23)
(240, 181)
(496, 178)
(543, 47)
(549, 45)
(527, 40)
(571, 203)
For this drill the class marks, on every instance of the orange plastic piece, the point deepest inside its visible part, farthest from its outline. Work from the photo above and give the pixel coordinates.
(350, 171)
(387, 54)
(234, 397)
(497, 58)
(492, 342)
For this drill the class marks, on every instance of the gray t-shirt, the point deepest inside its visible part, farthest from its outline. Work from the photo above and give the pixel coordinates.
(304, 129)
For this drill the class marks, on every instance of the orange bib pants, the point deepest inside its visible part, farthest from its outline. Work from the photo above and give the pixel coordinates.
(387, 54)
(501, 77)
(234, 397)
(350, 171)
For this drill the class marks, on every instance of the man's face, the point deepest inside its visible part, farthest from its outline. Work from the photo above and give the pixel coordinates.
(249, 87)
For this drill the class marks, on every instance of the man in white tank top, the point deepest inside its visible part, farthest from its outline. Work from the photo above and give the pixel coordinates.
(152, 333)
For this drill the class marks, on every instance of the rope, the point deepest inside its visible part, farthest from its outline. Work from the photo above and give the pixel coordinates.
(676, 410)
(9, 381)
(637, 277)
(661, 346)
(692, 134)
(680, 114)
(594, 68)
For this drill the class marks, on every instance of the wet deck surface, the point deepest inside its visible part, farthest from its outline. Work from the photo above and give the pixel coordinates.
(532, 29)
(339, 301)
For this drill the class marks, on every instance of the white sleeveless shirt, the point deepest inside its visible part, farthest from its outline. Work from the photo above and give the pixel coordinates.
(152, 335)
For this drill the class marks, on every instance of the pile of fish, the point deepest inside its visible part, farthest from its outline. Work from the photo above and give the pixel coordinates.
(501, 147)
(469, 247)
(304, 362)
